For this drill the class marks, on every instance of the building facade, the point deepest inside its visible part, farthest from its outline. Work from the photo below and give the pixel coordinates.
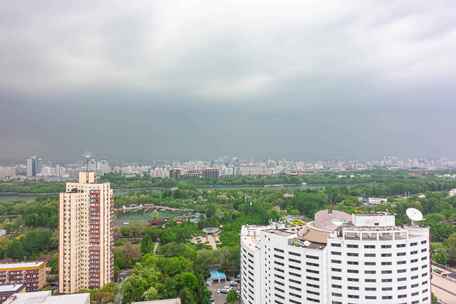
(31, 274)
(336, 259)
(85, 235)
(8, 290)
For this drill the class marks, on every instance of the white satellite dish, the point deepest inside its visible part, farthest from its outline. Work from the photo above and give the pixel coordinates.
(414, 215)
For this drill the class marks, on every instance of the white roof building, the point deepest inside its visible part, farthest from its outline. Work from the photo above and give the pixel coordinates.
(336, 259)
(45, 297)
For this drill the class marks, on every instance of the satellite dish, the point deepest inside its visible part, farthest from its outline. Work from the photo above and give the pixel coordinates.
(414, 215)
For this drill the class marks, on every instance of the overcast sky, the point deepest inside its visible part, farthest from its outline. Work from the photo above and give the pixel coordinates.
(143, 80)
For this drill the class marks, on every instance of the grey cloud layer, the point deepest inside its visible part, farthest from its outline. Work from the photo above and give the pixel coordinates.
(223, 49)
(180, 79)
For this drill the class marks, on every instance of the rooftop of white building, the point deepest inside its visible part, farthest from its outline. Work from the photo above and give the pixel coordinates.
(45, 297)
(11, 287)
(334, 224)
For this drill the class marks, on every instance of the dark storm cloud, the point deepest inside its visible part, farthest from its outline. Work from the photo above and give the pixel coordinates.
(197, 79)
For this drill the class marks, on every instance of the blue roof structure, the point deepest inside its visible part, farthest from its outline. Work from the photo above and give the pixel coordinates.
(217, 275)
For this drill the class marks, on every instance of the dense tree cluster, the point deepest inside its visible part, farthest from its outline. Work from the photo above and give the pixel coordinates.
(160, 277)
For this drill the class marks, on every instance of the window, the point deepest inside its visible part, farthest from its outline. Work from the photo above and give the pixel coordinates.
(294, 261)
(313, 257)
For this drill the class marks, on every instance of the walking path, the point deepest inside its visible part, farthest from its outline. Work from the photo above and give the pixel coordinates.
(155, 248)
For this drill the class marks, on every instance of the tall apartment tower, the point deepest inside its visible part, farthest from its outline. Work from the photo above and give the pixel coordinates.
(85, 235)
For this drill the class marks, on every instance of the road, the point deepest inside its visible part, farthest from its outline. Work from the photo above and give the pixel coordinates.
(218, 297)
(444, 289)
(211, 240)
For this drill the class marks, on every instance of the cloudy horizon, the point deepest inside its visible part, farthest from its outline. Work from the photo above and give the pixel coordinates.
(148, 80)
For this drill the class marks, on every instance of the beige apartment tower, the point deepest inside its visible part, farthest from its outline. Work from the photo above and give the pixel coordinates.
(85, 235)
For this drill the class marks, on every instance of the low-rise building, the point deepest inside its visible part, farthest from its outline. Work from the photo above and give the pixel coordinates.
(45, 297)
(31, 274)
(8, 290)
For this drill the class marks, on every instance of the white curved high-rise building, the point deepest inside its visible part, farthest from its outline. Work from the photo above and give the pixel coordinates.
(336, 259)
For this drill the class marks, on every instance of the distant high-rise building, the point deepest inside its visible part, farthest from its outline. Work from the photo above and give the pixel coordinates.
(33, 166)
(85, 235)
(103, 167)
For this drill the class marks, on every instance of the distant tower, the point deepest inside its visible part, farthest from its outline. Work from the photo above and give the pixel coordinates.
(85, 235)
(33, 166)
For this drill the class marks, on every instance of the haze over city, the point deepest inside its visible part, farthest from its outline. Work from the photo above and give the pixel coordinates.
(199, 79)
